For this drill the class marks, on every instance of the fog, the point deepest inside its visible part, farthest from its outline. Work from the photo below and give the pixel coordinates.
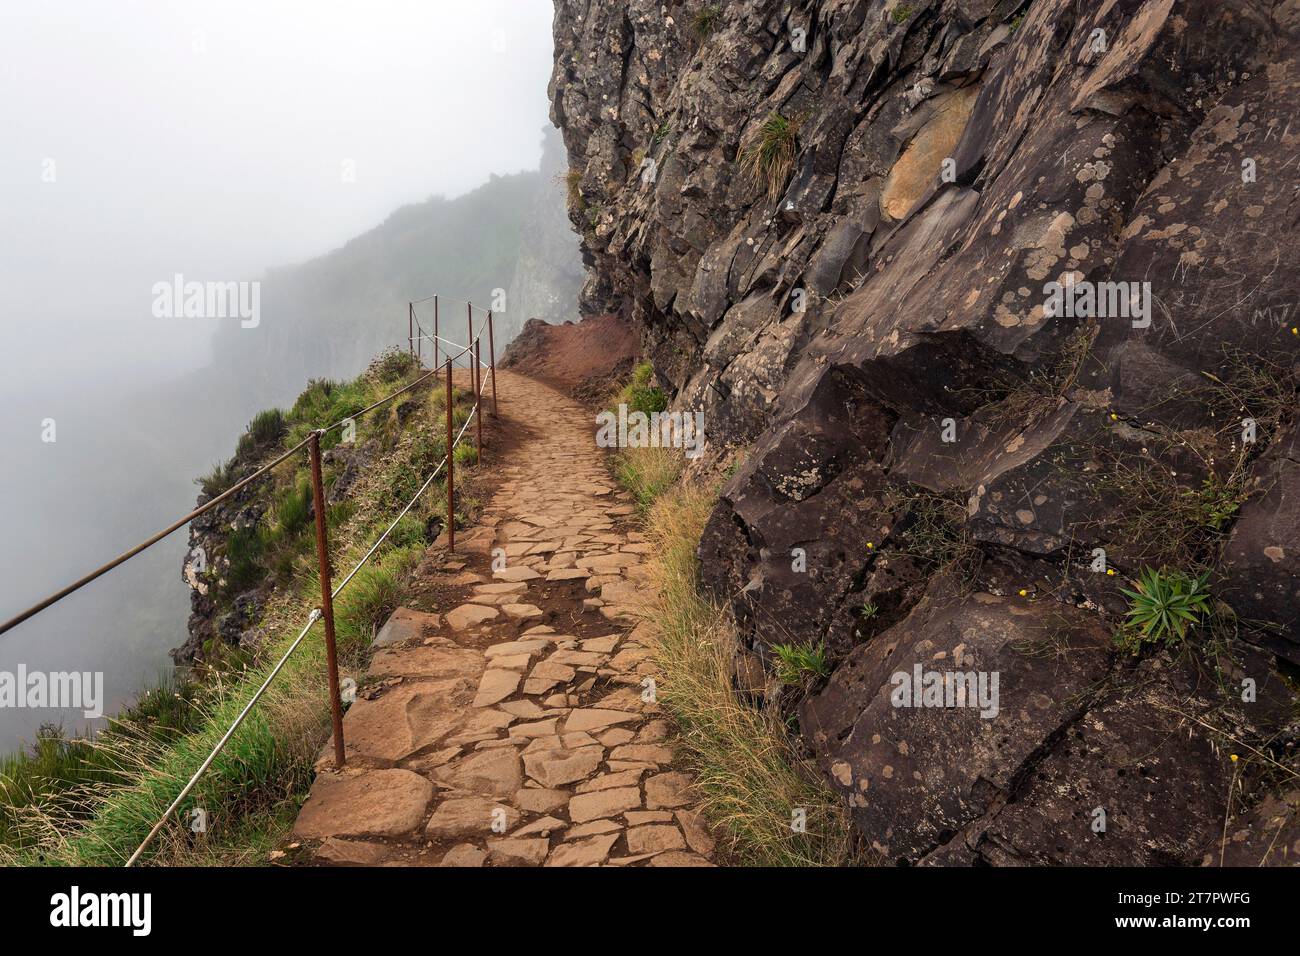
(142, 140)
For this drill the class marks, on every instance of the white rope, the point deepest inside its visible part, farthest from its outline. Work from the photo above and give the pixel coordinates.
(312, 619)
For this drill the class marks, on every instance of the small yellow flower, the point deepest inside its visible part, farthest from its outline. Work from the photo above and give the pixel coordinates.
(1111, 572)
(1295, 331)
(1024, 593)
(1114, 417)
(1233, 758)
(870, 545)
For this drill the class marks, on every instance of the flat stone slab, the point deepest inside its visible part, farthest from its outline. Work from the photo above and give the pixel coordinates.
(518, 852)
(590, 852)
(568, 574)
(496, 685)
(439, 662)
(496, 772)
(516, 574)
(470, 817)
(464, 855)
(404, 719)
(512, 648)
(405, 624)
(584, 719)
(469, 615)
(501, 587)
(534, 800)
(522, 612)
(377, 803)
(336, 852)
(667, 791)
(554, 768)
(655, 838)
(603, 803)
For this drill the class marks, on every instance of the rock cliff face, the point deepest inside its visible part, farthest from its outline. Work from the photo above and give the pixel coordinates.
(1015, 322)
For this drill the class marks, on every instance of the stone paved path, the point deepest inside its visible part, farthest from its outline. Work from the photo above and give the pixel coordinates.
(517, 728)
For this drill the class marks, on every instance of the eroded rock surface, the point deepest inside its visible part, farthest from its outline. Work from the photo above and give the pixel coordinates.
(938, 452)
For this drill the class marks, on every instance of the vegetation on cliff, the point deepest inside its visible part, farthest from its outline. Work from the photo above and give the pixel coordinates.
(92, 800)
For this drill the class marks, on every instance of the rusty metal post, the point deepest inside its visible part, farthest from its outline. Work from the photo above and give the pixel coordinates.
(451, 471)
(492, 363)
(470, 341)
(327, 598)
(478, 402)
(435, 331)
(410, 328)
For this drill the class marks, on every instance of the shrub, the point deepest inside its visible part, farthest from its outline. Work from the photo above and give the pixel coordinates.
(641, 395)
(768, 156)
(1162, 607)
(390, 365)
(219, 479)
(901, 13)
(267, 426)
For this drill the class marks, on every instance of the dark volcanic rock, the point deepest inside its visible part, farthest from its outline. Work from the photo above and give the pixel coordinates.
(880, 332)
(915, 776)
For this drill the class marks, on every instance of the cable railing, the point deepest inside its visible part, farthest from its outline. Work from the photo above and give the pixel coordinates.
(325, 612)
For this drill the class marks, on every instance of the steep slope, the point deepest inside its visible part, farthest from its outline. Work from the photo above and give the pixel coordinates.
(328, 316)
(951, 458)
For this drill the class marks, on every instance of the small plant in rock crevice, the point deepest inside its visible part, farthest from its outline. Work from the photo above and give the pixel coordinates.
(706, 19)
(795, 663)
(768, 155)
(901, 13)
(1163, 605)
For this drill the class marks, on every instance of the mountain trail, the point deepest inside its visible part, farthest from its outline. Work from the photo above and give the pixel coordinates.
(515, 724)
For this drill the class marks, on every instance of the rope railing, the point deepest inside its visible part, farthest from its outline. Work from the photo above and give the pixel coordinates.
(234, 489)
(315, 615)
(325, 612)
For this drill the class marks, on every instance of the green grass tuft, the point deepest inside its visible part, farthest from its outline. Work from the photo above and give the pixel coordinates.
(795, 663)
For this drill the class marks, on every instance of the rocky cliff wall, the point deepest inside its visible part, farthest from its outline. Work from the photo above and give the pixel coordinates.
(951, 461)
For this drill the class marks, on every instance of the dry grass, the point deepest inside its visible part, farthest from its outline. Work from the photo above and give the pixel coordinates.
(751, 780)
(768, 155)
(648, 472)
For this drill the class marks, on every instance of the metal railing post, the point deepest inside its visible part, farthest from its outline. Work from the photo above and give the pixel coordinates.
(478, 402)
(435, 332)
(410, 328)
(492, 362)
(451, 471)
(470, 308)
(327, 599)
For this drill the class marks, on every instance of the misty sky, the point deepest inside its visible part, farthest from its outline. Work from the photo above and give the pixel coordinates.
(210, 139)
